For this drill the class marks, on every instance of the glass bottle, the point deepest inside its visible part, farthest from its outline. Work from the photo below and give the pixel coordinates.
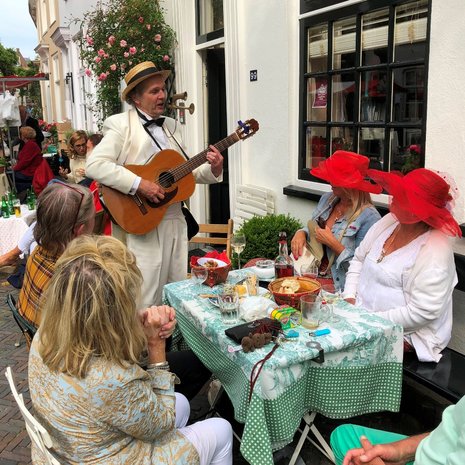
(10, 203)
(283, 264)
(5, 207)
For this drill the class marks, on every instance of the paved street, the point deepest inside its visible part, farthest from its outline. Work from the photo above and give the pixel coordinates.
(14, 441)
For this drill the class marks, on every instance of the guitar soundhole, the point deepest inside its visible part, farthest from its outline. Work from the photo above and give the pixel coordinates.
(166, 179)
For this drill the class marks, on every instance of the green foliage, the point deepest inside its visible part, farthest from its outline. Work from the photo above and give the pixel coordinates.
(262, 233)
(8, 61)
(118, 35)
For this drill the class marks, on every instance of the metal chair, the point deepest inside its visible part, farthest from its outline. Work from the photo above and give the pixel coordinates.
(26, 328)
(225, 229)
(35, 430)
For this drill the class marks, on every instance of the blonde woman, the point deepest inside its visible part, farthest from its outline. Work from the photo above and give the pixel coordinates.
(77, 146)
(344, 215)
(86, 385)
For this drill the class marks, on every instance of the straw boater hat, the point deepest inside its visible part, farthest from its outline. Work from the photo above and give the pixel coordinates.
(346, 169)
(139, 73)
(421, 195)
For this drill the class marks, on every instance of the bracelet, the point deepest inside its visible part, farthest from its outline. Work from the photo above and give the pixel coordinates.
(159, 366)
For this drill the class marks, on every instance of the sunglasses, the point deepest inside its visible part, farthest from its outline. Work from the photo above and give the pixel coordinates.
(81, 194)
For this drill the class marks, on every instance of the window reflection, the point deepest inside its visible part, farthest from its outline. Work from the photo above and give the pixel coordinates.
(317, 49)
(316, 146)
(210, 16)
(344, 34)
(375, 27)
(317, 98)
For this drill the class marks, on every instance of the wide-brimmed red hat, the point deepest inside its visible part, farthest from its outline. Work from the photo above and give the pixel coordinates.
(421, 195)
(346, 169)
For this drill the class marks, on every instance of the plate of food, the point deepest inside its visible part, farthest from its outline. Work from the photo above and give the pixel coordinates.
(211, 262)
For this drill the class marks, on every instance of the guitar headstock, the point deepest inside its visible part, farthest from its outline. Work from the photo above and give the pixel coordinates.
(247, 129)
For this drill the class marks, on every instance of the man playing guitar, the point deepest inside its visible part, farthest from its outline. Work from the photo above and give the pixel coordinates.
(134, 137)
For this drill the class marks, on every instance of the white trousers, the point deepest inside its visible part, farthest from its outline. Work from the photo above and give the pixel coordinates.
(212, 438)
(161, 256)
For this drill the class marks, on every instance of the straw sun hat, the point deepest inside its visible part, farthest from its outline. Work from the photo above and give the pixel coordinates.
(139, 73)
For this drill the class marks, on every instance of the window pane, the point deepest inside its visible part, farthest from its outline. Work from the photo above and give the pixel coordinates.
(405, 149)
(344, 43)
(342, 139)
(343, 97)
(410, 31)
(317, 48)
(375, 28)
(210, 16)
(316, 146)
(373, 96)
(408, 94)
(317, 99)
(371, 144)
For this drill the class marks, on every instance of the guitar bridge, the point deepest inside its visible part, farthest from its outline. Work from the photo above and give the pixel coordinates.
(139, 203)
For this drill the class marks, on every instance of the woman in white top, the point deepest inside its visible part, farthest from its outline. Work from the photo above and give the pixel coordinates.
(404, 267)
(77, 146)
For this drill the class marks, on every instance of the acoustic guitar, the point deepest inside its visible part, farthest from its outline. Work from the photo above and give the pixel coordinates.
(168, 168)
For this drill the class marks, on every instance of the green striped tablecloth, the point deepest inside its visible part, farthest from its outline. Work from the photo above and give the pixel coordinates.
(362, 372)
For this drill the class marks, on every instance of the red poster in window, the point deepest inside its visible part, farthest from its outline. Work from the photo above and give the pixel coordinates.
(321, 93)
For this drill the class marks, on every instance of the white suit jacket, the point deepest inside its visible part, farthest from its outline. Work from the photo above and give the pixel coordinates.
(125, 141)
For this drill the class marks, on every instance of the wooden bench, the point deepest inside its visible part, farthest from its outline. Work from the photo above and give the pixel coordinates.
(446, 378)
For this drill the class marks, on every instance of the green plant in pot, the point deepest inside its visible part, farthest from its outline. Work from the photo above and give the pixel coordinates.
(261, 234)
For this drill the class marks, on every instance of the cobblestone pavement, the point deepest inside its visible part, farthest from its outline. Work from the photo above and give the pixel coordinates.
(14, 441)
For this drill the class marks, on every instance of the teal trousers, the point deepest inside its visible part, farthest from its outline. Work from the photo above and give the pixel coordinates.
(346, 437)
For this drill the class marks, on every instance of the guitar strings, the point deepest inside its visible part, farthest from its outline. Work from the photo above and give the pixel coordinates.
(196, 161)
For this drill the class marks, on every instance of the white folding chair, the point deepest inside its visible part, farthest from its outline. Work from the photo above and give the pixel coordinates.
(36, 431)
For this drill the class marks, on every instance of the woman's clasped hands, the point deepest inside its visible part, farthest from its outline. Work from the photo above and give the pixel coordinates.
(158, 322)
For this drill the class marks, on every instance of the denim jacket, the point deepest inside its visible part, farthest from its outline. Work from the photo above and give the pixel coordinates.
(353, 235)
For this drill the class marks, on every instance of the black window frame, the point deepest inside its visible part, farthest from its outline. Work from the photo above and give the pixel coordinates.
(330, 18)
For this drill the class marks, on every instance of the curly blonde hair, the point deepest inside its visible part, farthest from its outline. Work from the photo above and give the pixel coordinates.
(89, 308)
(75, 136)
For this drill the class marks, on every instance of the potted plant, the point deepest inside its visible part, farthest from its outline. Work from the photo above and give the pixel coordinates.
(262, 232)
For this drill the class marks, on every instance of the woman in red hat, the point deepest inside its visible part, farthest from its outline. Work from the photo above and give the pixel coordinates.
(343, 215)
(404, 268)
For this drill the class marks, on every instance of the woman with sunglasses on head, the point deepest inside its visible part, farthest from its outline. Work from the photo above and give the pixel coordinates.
(404, 268)
(77, 146)
(344, 215)
(64, 211)
(87, 388)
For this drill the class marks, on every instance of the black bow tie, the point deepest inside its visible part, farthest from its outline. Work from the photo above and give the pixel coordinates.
(158, 122)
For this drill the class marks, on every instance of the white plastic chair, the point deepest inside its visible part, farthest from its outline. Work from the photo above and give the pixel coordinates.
(36, 431)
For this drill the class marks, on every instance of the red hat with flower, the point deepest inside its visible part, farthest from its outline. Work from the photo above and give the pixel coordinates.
(347, 170)
(421, 195)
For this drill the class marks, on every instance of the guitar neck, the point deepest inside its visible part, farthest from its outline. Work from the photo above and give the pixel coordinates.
(183, 170)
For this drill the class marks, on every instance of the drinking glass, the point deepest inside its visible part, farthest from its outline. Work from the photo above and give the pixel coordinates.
(229, 308)
(238, 245)
(17, 208)
(310, 311)
(331, 296)
(309, 271)
(199, 275)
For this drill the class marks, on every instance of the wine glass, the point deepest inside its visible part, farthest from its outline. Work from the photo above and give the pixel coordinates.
(238, 245)
(199, 275)
(331, 296)
(309, 271)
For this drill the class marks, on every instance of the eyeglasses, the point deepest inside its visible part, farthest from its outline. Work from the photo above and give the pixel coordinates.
(80, 146)
(56, 181)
